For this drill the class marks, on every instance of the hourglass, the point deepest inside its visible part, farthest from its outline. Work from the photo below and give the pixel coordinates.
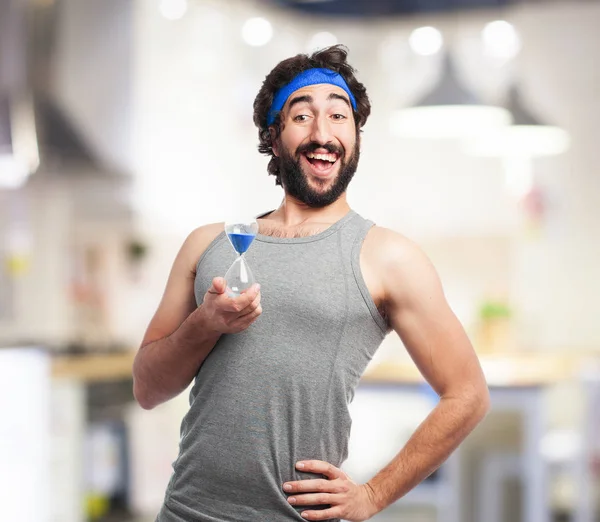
(241, 234)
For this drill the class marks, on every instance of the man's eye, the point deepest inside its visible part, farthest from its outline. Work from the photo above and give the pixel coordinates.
(301, 117)
(339, 117)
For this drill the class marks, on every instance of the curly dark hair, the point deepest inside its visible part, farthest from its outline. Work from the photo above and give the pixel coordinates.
(333, 58)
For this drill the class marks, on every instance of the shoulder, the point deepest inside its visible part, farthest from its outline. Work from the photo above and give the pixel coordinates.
(197, 242)
(402, 263)
(205, 234)
(388, 247)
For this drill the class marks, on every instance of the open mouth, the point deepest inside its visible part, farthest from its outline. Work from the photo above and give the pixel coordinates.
(321, 164)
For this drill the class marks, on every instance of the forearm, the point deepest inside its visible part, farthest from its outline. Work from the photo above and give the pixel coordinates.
(164, 368)
(431, 444)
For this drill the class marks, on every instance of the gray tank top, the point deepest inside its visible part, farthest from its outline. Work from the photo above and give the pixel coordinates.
(278, 392)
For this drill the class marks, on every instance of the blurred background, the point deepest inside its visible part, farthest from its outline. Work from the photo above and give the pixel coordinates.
(125, 124)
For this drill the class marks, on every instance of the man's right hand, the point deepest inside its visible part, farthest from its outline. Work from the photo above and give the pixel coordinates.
(224, 314)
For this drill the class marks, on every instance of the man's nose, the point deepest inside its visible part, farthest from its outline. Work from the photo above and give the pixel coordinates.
(321, 130)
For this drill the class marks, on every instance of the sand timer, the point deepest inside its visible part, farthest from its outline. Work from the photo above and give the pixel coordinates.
(241, 233)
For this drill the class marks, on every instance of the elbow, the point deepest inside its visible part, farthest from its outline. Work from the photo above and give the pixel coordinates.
(140, 390)
(141, 396)
(485, 402)
(475, 400)
(481, 402)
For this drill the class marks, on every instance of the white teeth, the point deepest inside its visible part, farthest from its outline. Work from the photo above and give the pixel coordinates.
(325, 157)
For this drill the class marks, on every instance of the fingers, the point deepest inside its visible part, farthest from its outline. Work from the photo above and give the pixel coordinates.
(314, 499)
(219, 285)
(231, 314)
(341, 498)
(243, 322)
(252, 306)
(324, 514)
(224, 302)
(251, 292)
(315, 485)
(243, 301)
(319, 466)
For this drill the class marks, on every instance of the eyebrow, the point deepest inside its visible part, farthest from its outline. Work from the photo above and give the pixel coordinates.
(300, 99)
(306, 98)
(336, 96)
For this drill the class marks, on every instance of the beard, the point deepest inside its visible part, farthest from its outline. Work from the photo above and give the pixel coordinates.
(295, 181)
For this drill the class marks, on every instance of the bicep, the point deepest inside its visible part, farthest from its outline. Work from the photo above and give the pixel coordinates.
(178, 300)
(176, 304)
(429, 329)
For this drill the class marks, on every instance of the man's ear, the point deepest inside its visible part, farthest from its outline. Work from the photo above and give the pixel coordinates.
(274, 147)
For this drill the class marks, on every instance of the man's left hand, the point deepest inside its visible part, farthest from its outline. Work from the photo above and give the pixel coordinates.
(347, 500)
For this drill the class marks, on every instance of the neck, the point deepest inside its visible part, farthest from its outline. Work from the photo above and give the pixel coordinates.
(292, 212)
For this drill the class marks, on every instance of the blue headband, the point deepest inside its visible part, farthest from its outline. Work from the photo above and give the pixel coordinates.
(304, 79)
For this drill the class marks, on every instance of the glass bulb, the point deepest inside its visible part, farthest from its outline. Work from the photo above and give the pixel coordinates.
(241, 234)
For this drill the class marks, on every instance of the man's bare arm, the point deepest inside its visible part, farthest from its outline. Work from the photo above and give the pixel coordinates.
(181, 335)
(419, 313)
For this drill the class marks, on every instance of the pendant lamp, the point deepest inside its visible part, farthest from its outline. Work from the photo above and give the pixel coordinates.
(448, 111)
(18, 142)
(527, 136)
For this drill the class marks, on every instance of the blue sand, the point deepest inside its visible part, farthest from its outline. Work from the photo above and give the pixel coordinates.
(241, 242)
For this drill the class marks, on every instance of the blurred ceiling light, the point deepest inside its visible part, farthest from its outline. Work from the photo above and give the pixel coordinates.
(527, 136)
(173, 9)
(426, 41)
(448, 111)
(519, 143)
(321, 40)
(519, 175)
(561, 445)
(257, 32)
(13, 173)
(501, 40)
(19, 156)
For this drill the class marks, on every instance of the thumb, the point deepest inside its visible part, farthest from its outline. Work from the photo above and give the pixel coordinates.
(219, 285)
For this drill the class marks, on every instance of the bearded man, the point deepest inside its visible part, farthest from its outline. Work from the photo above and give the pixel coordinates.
(275, 368)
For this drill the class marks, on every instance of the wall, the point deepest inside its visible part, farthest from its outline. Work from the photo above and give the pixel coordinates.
(196, 158)
(187, 112)
(558, 277)
(58, 215)
(40, 310)
(92, 74)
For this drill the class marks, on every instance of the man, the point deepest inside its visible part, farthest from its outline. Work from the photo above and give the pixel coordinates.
(276, 367)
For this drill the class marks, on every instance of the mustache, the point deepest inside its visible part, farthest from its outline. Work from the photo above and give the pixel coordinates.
(313, 146)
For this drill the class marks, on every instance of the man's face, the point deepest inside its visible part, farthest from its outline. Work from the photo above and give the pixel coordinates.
(317, 148)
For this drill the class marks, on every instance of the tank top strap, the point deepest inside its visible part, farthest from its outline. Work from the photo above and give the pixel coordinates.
(353, 233)
(352, 237)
